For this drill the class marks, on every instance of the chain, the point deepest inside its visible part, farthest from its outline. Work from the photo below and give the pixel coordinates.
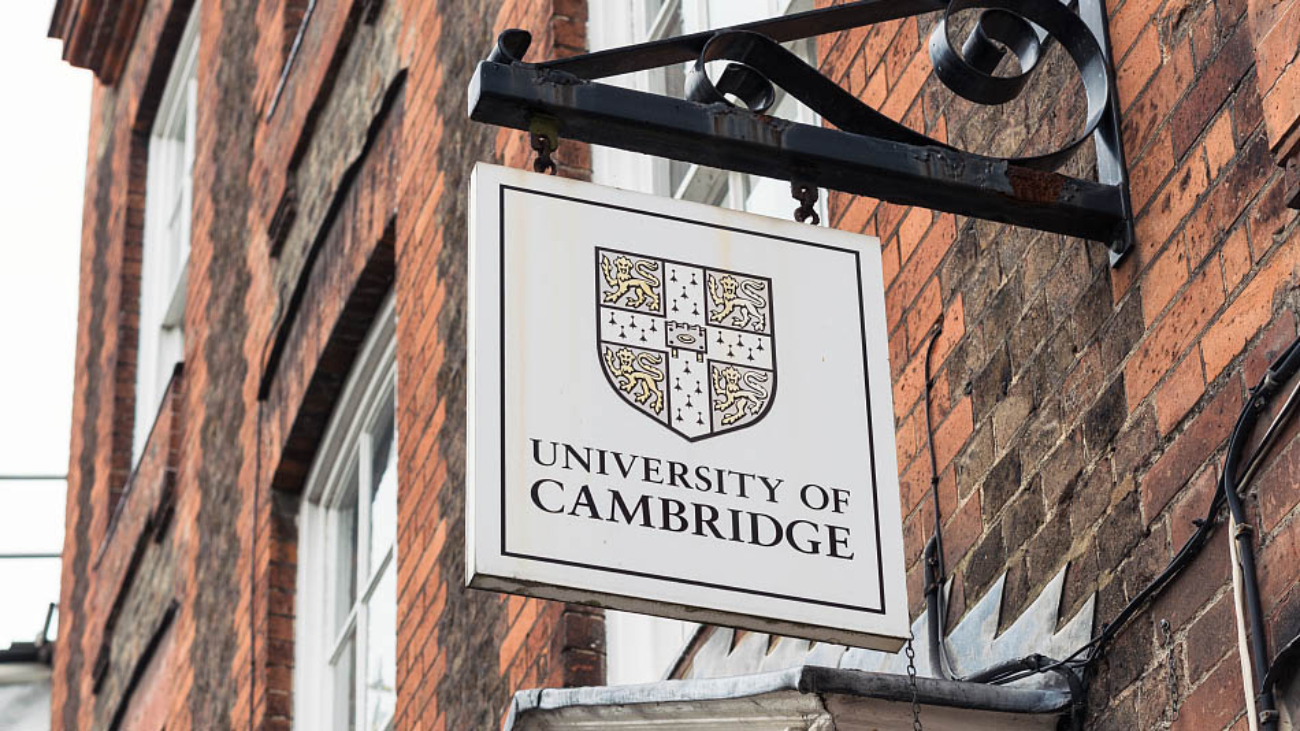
(911, 680)
(1171, 661)
(807, 197)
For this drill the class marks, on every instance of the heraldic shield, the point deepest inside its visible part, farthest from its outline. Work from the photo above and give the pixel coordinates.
(689, 346)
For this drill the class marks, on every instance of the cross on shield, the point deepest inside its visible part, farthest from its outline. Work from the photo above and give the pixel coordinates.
(688, 345)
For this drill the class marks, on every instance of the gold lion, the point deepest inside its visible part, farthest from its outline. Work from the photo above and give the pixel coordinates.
(623, 276)
(745, 393)
(739, 301)
(635, 372)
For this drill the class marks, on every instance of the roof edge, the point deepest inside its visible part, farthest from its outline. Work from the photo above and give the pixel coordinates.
(805, 680)
(96, 34)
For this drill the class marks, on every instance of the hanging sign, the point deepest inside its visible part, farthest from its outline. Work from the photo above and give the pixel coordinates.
(680, 410)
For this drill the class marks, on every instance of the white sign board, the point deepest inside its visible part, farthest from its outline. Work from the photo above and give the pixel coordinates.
(680, 410)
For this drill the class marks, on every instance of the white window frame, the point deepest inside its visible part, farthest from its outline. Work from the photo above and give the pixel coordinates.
(641, 648)
(343, 466)
(624, 22)
(168, 205)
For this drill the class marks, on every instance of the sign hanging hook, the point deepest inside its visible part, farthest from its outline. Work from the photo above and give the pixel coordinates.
(544, 137)
(807, 197)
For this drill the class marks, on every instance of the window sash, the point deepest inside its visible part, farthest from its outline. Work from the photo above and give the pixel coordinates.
(168, 205)
(331, 634)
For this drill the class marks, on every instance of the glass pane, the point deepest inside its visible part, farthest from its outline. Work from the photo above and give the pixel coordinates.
(383, 499)
(677, 171)
(345, 553)
(726, 13)
(719, 196)
(344, 701)
(381, 649)
(652, 8)
(770, 198)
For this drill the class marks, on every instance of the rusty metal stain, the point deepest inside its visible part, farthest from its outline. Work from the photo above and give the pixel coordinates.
(1035, 185)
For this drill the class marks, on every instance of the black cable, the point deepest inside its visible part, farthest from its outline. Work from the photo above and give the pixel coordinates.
(1083, 658)
(1077, 666)
(935, 608)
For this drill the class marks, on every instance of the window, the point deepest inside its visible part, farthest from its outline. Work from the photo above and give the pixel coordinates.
(168, 202)
(639, 648)
(346, 630)
(635, 21)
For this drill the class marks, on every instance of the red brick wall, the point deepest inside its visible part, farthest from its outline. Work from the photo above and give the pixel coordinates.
(1081, 412)
(1277, 26)
(467, 652)
(323, 181)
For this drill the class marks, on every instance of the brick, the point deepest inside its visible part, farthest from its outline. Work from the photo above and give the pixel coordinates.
(889, 263)
(1024, 516)
(1278, 564)
(1150, 169)
(985, 563)
(912, 229)
(1061, 469)
(1039, 363)
(1149, 110)
(925, 260)
(1275, 486)
(1236, 258)
(1206, 576)
(1002, 482)
(1137, 68)
(962, 530)
(952, 433)
(1167, 275)
(1091, 500)
(1127, 25)
(1211, 88)
(1192, 505)
(1214, 703)
(1119, 533)
(1172, 335)
(1202, 437)
(1276, 338)
(1251, 309)
(1175, 201)
(1226, 201)
(1105, 417)
(1275, 46)
(856, 214)
(1219, 147)
(925, 312)
(1247, 112)
(1211, 638)
(1281, 105)
(977, 458)
(1047, 551)
(1180, 392)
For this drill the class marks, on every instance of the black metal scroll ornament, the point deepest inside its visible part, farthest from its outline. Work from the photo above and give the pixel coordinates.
(723, 122)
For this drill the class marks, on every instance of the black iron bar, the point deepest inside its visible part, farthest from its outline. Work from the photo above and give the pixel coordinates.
(654, 54)
(724, 136)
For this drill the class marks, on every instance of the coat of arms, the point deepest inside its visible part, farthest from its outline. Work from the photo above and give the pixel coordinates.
(690, 346)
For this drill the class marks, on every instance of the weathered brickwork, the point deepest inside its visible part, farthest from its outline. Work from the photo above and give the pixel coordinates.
(1276, 25)
(1080, 412)
(332, 158)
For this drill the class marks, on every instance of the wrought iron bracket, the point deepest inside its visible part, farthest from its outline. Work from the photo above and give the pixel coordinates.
(722, 123)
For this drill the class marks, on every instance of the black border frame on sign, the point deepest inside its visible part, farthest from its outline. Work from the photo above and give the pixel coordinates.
(866, 375)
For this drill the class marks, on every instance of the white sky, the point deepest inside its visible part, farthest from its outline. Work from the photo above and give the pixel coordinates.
(42, 166)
